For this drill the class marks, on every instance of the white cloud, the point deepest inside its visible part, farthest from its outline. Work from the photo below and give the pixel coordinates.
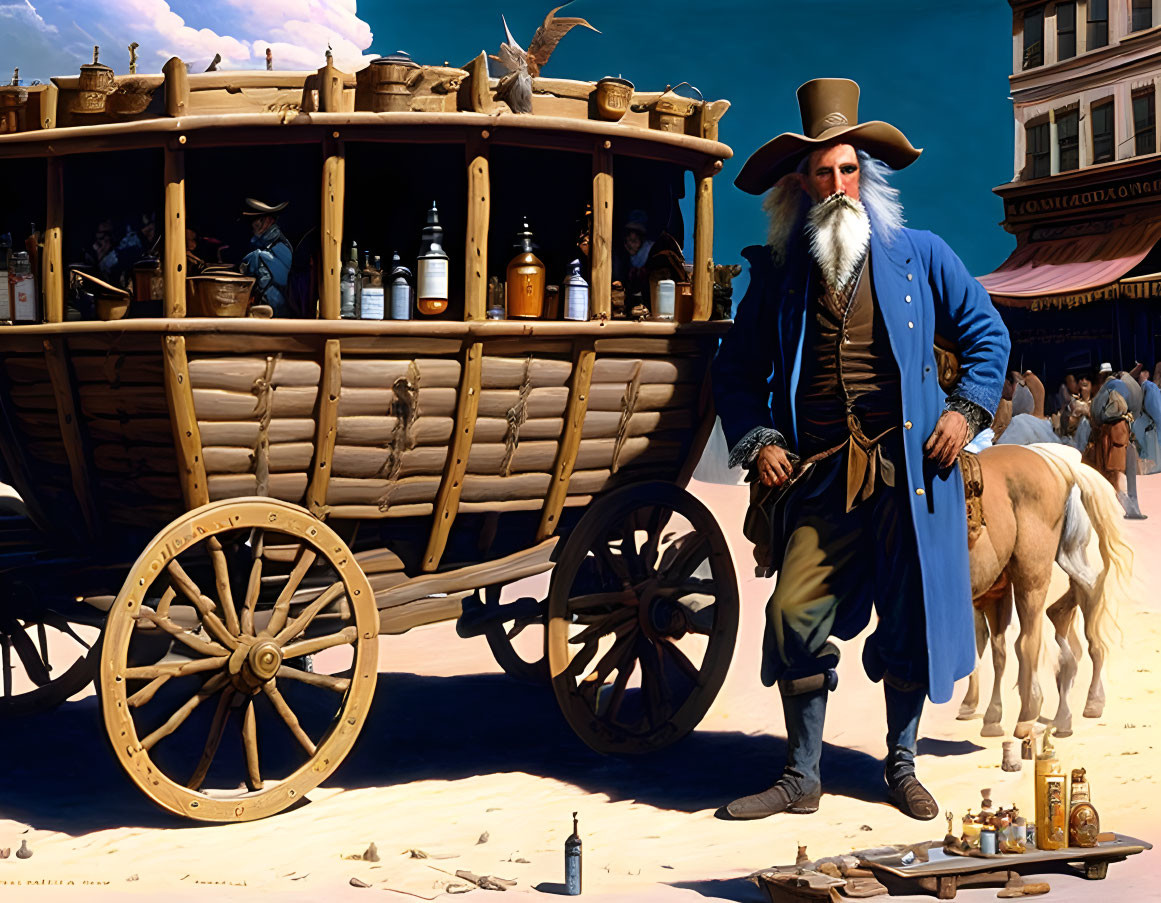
(53, 38)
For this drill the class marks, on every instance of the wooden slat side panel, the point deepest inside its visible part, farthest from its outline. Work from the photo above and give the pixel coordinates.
(371, 430)
(557, 489)
(71, 433)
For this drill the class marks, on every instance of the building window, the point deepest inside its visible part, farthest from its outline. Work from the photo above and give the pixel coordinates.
(1145, 122)
(1098, 24)
(1033, 38)
(1103, 149)
(1142, 15)
(1068, 140)
(1037, 159)
(1065, 31)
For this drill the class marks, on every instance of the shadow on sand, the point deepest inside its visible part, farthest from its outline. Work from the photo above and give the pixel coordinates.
(57, 771)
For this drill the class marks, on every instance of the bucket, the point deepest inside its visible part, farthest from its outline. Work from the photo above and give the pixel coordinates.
(219, 294)
(392, 78)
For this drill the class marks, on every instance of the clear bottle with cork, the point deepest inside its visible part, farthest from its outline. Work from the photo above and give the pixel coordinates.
(1051, 798)
(1083, 822)
(432, 269)
(525, 291)
(576, 293)
(371, 289)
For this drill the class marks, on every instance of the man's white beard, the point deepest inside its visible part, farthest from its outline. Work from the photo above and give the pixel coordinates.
(839, 231)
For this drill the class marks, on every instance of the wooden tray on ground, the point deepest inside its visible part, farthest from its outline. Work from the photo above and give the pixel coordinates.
(943, 874)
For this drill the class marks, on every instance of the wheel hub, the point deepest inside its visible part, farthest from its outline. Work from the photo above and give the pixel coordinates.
(254, 662)
(264, 660)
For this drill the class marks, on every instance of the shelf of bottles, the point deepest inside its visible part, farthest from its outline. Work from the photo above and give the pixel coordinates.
(22, 218)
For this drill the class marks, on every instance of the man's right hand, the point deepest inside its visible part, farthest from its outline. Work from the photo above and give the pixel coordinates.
(774, 465)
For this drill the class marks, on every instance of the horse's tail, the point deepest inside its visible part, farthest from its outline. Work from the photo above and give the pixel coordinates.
(1104, 512)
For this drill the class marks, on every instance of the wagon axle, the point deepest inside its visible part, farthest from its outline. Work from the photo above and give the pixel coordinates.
(478, 617)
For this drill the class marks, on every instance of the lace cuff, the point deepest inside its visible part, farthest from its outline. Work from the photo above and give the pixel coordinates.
(978, 418)
(744, 453)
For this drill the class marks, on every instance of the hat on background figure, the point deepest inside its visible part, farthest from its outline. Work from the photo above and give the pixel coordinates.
(254, 207)
(1106, 368)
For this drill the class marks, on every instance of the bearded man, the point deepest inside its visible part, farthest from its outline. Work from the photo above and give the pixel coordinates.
(828, 389)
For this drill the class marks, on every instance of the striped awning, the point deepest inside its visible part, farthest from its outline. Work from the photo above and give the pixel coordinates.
(1067, 272)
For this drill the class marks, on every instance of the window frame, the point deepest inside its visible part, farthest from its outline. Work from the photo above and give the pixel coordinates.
(1100, 25)
(1104, 104)
(1136, 6)
(1149, 94)
(1060, 32)
(1031, 158)
(1073, 149)
(1028, 60)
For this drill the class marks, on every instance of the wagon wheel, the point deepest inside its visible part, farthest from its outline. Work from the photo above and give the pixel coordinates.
(518, 644)
(642, 617)
(243, 587)
(45, 660)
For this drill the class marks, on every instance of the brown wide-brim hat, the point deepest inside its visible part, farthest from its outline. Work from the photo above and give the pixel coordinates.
(830, 115)
(255, 207)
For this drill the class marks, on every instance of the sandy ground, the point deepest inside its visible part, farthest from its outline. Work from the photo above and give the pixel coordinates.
(453, 749)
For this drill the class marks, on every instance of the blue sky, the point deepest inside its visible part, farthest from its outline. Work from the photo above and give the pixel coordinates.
(938, 71)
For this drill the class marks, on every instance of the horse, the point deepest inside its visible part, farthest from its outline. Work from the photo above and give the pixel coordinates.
(1040, 505)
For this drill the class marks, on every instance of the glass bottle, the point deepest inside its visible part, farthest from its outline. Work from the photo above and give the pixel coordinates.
(349, 286)
(576, 293)
(371, 291)
(525, 278)
(432, 268)
(572, 861)
(400, 289)
(1051, 799)
(22, 288)
(1083, 822)
(5, 294)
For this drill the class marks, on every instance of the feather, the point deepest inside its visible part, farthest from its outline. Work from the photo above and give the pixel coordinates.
(513, 57)
(548, 36)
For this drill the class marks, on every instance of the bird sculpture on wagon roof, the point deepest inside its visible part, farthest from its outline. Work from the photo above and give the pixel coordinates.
(828, 391)
(521, 66)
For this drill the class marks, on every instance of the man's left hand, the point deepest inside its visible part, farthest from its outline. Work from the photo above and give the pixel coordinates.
(948, 440)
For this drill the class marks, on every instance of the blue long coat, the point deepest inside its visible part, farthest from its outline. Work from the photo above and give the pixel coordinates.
(922, 288)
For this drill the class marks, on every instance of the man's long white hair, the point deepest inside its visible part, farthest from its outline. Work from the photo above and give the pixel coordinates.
(787, 205)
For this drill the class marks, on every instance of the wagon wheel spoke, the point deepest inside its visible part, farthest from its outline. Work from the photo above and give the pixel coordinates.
(613, 564)
(629, 552)
(34, 666)
(217, 728)
(203, 603)
(300, 623)
(326, 681)
(318, 644)
(284, 710)
(518, 627)
(254, 586)
(658, 696)
(306, 559)
(208, 689)
(52, 619)
(688, 554)
(617, 694)
(250, 746)
(608, 624)
(166, 600)
(179, 633)
(176, 669)
(6, 662)
(604, 602)
(619, 653)
(679, 658)
(581, 660)
(222, 579)
(42, 638)
(146, 693)
(654, 527)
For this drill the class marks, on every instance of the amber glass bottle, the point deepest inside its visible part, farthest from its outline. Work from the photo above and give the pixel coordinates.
(525, 291)
(432, 275)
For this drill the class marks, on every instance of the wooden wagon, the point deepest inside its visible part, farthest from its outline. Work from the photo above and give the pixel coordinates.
(241, 506)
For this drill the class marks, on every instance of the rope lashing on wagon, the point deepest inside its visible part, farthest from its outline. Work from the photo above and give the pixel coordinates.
(516, 416)
(263, 392)
(628, 408)
(405, 410)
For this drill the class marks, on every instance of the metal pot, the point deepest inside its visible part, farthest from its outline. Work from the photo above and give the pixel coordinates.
(613, 97)
(13, 104)
(392, 79)
(219, 294)
(94, 86)
(131, 97)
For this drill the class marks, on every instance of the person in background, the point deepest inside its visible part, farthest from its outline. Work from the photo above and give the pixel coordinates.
(269, 262)
(629, 261)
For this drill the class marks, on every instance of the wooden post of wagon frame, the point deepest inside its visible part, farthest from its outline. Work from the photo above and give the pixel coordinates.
(479, 212)
(602, 239)
(175, 252)
(333, 191)
(703, 243)
(53, 273)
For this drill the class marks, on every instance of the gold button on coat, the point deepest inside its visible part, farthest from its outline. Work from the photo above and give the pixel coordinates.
(906, 424)
(919, 491)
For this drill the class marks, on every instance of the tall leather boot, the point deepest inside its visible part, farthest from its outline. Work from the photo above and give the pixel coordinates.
(904, 707)
(798, 789)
